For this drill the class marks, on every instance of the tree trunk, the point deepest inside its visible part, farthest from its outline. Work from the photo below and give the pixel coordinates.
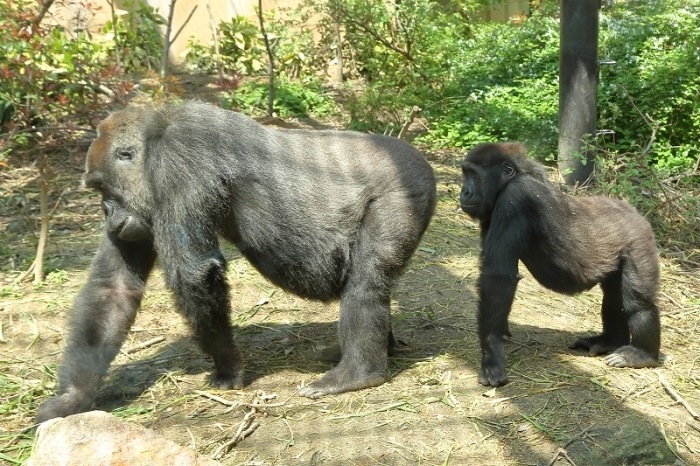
(578, 84)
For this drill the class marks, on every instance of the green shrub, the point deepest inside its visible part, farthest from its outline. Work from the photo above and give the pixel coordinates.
(655, 44)
(138, 36)
(505, 83)
(241, 49)
(670, 203)
(241, 45)
(504, 86)
(292, 98)
(46, 77)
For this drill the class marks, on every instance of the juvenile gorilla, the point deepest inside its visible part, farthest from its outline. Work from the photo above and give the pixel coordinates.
(569, 244)
(324, 214)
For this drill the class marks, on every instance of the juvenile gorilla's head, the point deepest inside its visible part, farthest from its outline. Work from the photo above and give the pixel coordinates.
(114, 167)
(487, 170)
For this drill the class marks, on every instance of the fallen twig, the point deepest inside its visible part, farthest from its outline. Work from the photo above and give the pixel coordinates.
(226, 402)
(247, 426)
(373, 411)
(144, 345)
(694, 425)
(232, 443)
(562, 450)
(223, 401)
(414, 111)
(676, 397)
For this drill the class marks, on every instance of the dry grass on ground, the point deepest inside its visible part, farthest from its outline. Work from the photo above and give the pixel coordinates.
(562, 407)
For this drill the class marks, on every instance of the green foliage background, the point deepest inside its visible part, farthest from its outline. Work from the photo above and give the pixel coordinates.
(475, 81)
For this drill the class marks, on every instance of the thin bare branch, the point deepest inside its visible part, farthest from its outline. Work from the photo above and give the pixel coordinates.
(189, 17)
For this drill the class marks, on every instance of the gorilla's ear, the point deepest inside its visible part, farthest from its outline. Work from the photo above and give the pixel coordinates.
(509, 169)
(155, 126)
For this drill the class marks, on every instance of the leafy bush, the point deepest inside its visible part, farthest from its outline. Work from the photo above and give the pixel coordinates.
(379, 108)
(45, 77)
(504, 86)
(138, 36)
(656, 46)
(525, 111)
(241, 45)
(505, 83)
(404, 51)
(199, 57)
(292, 98)
(241, 49)
(54, 81)
(670, 203)
(297, 54)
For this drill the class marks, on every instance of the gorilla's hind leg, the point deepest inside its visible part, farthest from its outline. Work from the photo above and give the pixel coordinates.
(363, 330)
(364, 325)
(615, 329)
(638, 300)
(333, 353)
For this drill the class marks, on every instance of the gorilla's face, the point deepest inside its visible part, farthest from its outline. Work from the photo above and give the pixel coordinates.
(114, 167)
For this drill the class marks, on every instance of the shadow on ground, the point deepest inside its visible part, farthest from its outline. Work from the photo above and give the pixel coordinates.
(561, 407)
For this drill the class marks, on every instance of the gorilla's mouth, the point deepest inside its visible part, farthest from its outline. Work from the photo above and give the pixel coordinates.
(466, 207)
(118, 229)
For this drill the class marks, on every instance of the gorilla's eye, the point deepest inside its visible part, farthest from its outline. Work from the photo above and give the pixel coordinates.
(126, 153)
(508, 169)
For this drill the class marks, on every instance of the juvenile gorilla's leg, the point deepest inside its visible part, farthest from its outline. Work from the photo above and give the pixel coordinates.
(202, 294)
(101, 318)
(615, 330)
(639, 283)
(496, 293)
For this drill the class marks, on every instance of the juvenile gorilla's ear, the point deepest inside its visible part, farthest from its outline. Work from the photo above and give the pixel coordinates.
(509, 170)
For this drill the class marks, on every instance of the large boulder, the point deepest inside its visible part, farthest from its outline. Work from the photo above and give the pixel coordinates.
(100, 439)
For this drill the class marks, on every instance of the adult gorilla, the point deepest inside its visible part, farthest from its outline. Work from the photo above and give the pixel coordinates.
(569, 244)
(323, 214)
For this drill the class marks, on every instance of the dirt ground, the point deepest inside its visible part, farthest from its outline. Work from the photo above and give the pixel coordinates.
(561, 407)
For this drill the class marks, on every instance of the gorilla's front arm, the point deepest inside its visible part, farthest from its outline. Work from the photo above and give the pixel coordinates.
(101, 318)
(501, 247)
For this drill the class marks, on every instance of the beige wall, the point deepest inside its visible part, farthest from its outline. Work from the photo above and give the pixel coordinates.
(74, 15)
(503, 11)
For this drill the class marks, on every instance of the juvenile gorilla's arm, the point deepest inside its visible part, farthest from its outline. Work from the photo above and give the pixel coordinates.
(497, 285)
(102, 316)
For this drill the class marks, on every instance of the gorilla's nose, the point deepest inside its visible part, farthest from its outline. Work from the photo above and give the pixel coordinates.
(108, 208)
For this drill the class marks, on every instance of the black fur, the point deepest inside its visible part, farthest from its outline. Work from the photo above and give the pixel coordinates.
(325, 214)
(569, 244)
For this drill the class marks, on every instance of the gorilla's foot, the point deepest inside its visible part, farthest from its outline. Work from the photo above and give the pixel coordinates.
(331, 354)
(334, 354)
(225, 380)
(631, 356)
(598, 345)
(70, 402)
(342, 379)
(492, 376)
